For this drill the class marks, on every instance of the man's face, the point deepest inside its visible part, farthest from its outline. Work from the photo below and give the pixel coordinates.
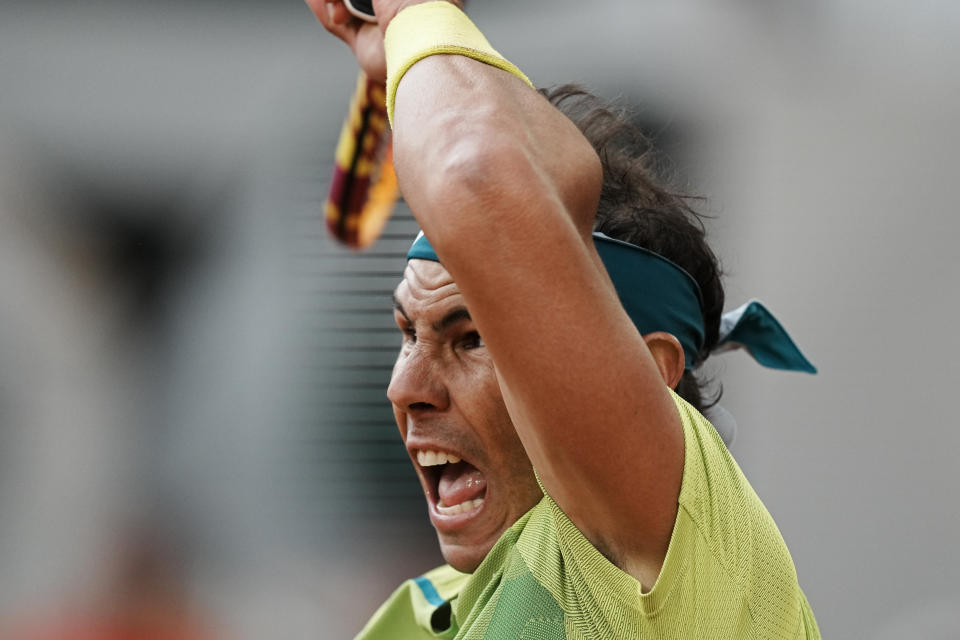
(448, 405)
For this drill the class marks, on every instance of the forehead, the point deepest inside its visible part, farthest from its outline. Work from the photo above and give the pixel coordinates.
(426, 288)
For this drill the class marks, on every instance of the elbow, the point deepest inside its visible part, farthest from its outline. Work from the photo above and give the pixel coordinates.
(489, 179)
(474, 162)
(482, 158)
(477, 182)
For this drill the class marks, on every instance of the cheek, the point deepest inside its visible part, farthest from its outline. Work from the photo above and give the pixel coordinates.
(474, 388)
(480, 379)
(500, 432)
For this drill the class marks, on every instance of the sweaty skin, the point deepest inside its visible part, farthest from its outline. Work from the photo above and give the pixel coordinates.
(446, 398)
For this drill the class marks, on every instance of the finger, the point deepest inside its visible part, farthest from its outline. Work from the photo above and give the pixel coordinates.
(335, 10)
(327, 13)
(317, 6)
(339, 13)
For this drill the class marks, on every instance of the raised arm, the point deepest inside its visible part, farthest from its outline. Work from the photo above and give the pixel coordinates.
(506, 188)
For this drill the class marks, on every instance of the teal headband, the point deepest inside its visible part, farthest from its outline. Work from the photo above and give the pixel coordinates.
(660, 296)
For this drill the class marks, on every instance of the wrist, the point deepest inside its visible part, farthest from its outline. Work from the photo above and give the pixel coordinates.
(384, 20)
(435, 27)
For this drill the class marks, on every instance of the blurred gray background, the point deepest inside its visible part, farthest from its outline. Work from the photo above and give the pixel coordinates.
(184, 352)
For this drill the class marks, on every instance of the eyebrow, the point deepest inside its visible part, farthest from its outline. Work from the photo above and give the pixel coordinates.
(460, 314)
(399, 307)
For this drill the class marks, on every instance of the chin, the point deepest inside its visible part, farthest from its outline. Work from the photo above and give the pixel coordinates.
(466, 558)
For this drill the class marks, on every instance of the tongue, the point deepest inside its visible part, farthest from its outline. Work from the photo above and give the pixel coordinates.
(461, 482)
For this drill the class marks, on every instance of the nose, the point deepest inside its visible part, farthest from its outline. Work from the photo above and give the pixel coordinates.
(417, 383)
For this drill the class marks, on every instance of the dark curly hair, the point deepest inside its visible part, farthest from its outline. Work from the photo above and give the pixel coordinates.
(637, 208)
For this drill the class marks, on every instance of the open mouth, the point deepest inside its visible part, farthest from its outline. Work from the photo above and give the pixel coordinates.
(455, 487)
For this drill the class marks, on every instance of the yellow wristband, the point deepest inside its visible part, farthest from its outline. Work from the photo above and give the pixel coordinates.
(430, 29)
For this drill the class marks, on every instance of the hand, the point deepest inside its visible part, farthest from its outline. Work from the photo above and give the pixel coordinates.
(364, 38)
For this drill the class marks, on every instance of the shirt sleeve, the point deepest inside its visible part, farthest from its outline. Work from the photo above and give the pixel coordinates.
(727, 571)
(737, 529)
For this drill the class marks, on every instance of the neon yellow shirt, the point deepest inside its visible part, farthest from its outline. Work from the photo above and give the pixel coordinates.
(727, 573)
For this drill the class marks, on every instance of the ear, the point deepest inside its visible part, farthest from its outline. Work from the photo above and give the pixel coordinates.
(668, 354)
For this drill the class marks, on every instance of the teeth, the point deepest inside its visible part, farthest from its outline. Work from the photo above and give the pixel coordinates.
(466, 505)
(434, 458)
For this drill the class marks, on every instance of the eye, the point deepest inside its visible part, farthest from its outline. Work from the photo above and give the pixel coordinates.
(472, 340)
(405, 327)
